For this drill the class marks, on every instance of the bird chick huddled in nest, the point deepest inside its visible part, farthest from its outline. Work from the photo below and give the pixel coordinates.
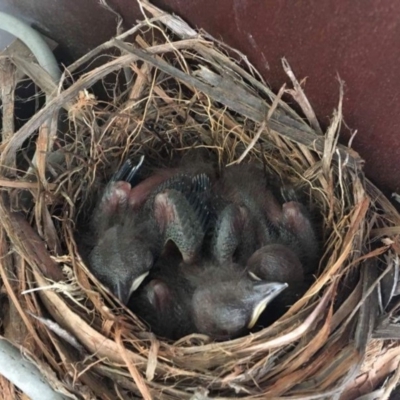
(196, 250)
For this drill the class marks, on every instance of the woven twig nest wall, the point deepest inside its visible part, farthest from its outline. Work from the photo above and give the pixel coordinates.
(181, 90)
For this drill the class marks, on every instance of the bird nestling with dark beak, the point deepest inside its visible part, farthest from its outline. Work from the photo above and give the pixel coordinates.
(251, 217)
(220, 301)
(130, 226)
(268, 232)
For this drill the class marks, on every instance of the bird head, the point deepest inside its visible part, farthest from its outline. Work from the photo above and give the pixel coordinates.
(275, 262)
(120, 262)
(225, 310)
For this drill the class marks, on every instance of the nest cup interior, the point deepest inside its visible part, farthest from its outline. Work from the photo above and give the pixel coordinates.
(186, 92)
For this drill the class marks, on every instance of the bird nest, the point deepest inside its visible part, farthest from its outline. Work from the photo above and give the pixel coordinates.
(173, 90)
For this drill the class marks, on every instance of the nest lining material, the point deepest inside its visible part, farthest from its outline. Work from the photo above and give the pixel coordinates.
(184, 92)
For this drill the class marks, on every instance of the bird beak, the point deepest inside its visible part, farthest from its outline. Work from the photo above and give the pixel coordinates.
(254, 276)
(263, 293)
(123, 291)
(137, 282)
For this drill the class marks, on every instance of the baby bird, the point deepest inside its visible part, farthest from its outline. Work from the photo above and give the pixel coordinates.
(250, 217)
(275, 241)
(242, 205)
(129, 234)
(296, 226)
(111, 255)
(216, 300)
(227, 309)
(279, 263)
(275, 262)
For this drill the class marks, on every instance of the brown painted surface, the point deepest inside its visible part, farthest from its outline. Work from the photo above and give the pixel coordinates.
(359, 41)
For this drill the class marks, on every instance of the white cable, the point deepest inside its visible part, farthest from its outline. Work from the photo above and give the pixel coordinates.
(24, 374)
(34, 41)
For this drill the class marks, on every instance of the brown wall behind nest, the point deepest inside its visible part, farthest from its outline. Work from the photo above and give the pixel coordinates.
(358, 40)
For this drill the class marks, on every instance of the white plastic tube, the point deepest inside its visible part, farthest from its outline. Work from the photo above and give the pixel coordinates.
(24, 374)
(34, 41)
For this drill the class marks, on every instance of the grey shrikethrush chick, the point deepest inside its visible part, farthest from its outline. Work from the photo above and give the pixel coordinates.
(220, 301)
(250, 217)
(129, 235)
